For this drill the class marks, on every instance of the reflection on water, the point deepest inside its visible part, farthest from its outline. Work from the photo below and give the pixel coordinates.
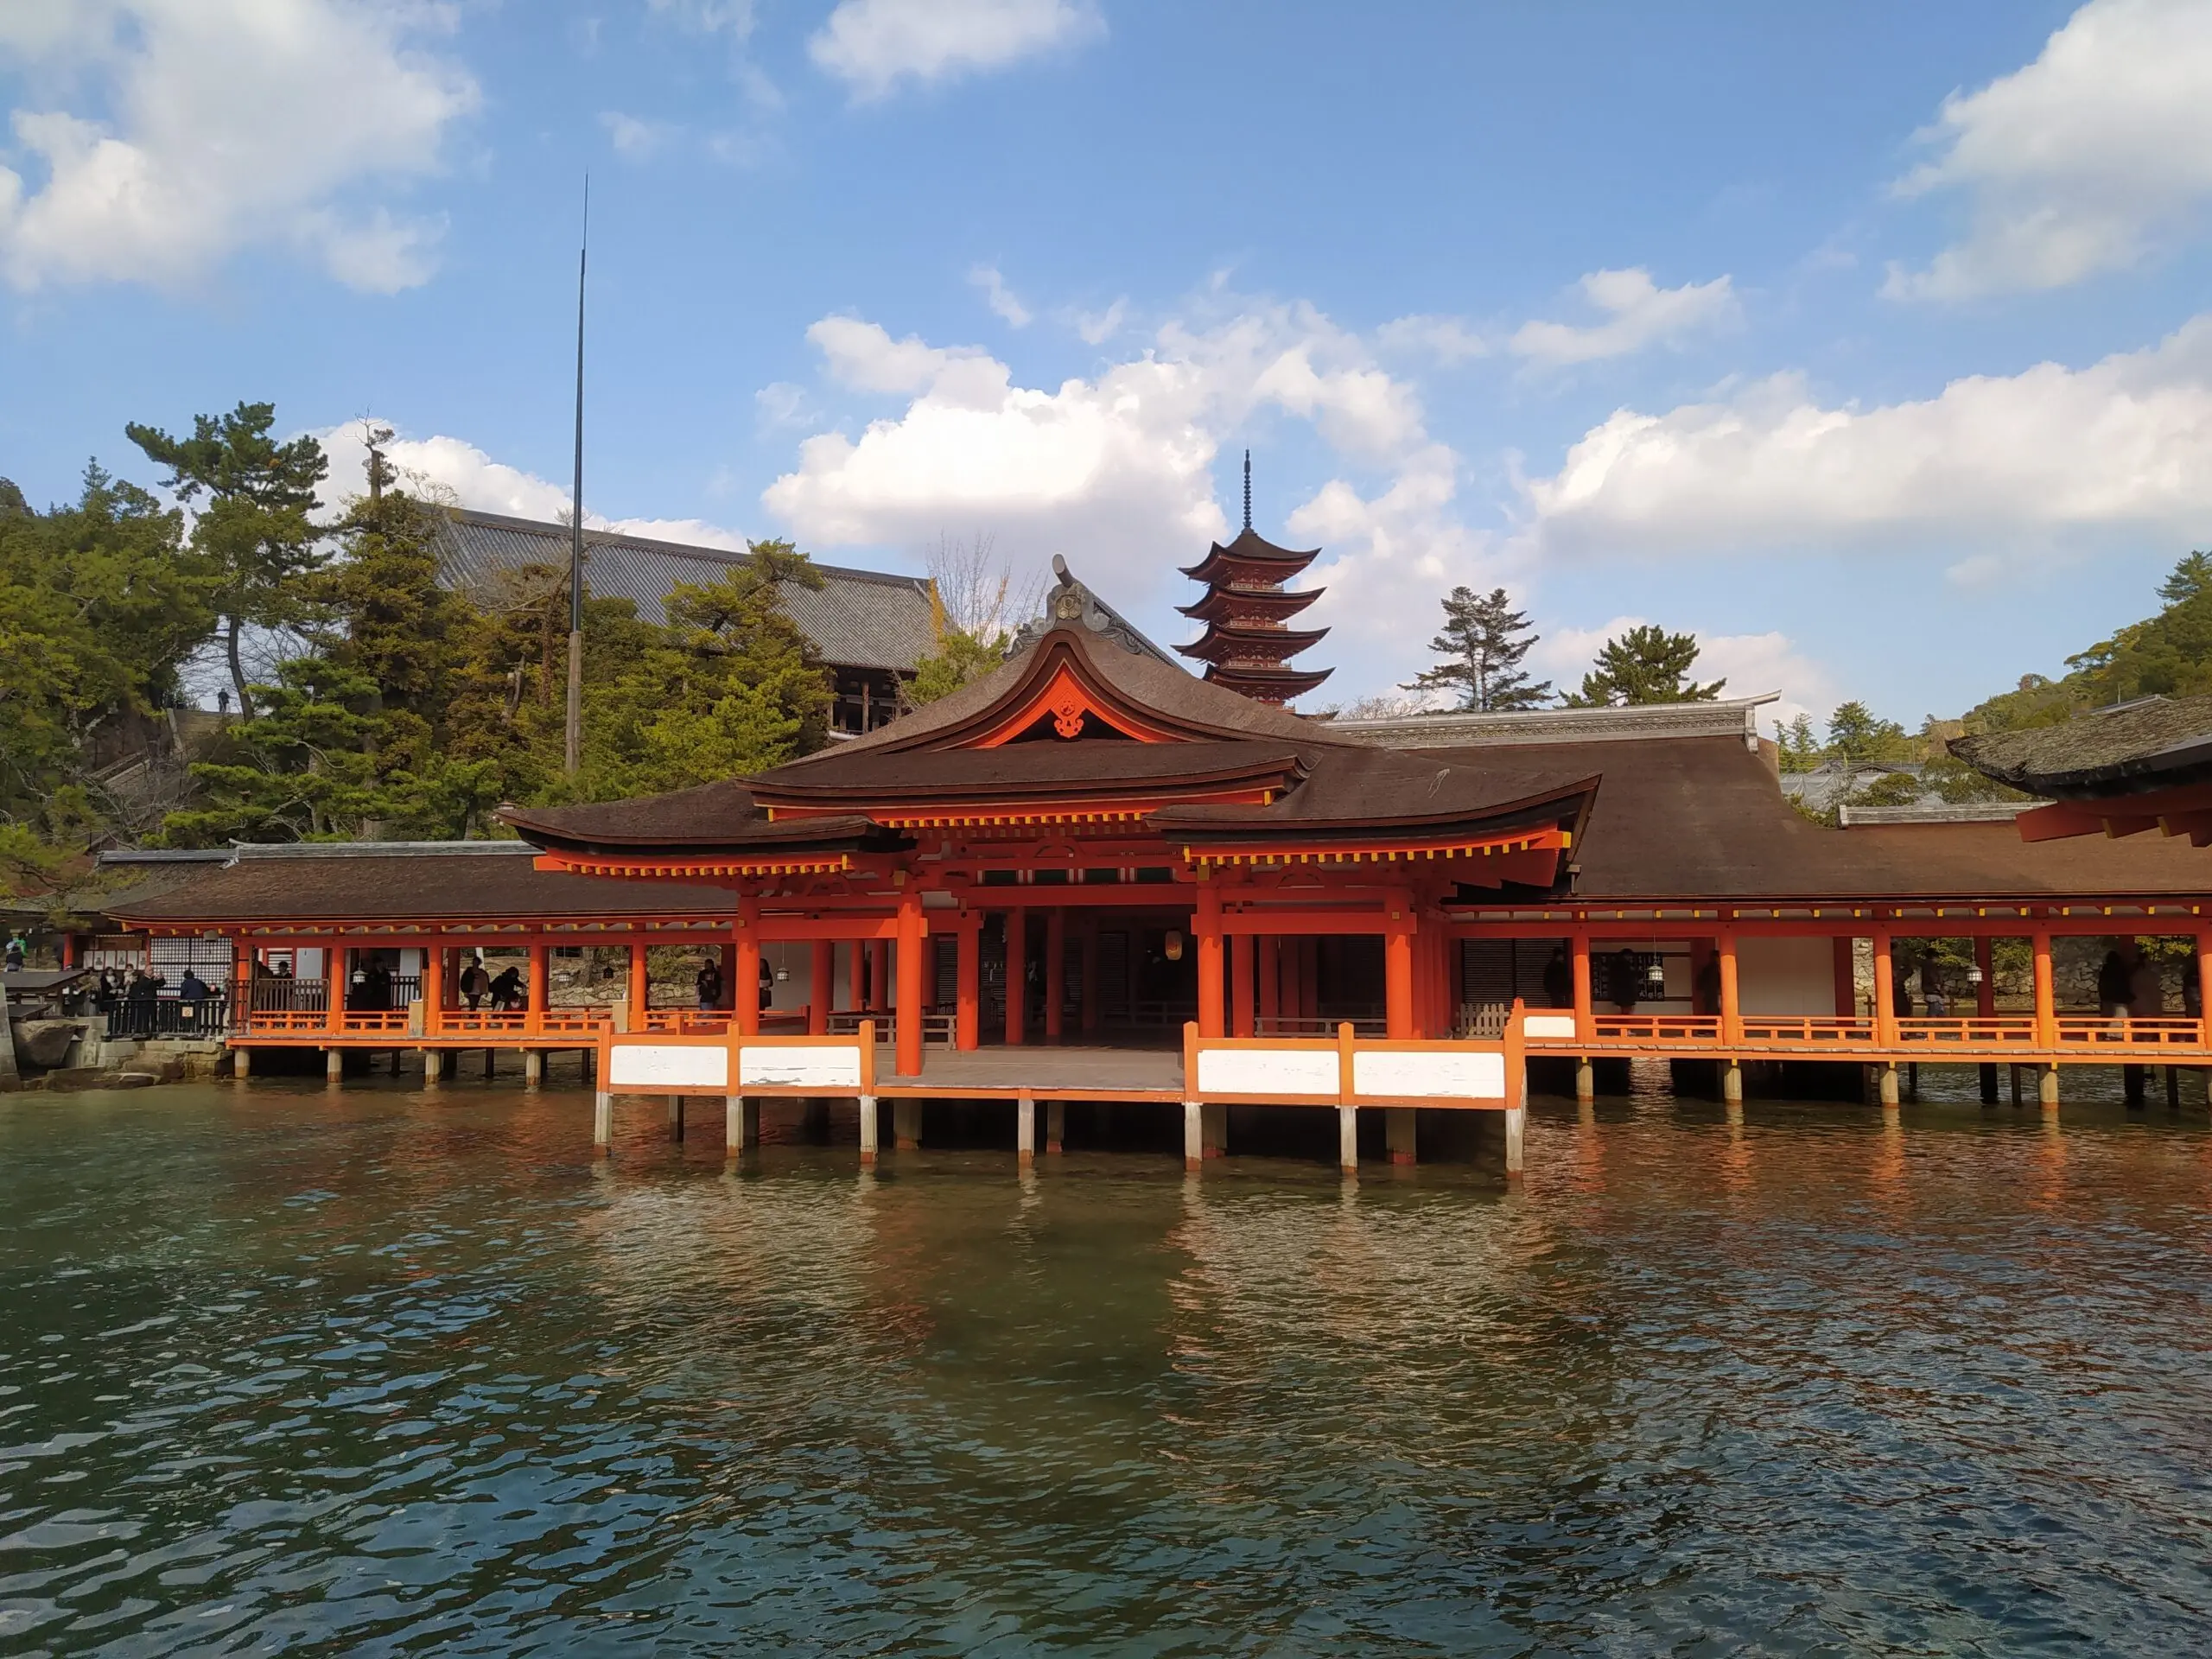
(374, 1370)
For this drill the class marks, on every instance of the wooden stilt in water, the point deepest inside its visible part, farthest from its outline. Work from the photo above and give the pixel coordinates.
(434, 1066)
(1194, 1135)
(1889, 1084)
(1348, 1139)
(333, 1065)
(2048, 1087)
(1585, 1078)
(2015, 1070)
(1025, 1130)
(1732, 1082)
(241, 1063)
(1214, 1126)
(676, 1119)
(1056, 1126)
(603, 1120)
(740, 1124)
(1988, 1070)
(533, 1068)
(491, 1060)
(867, 1132)
(2173, 1088)
(906, 1124)
(1517, 1136)
(1399, 1120)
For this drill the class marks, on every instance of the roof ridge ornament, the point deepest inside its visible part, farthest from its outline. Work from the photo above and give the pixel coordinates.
(1071, 604)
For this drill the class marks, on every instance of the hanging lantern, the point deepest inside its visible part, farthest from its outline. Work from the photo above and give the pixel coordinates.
(1655, 976)
(1174, 945)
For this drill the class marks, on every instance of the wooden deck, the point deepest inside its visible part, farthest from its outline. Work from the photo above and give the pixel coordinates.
(1114, 1074)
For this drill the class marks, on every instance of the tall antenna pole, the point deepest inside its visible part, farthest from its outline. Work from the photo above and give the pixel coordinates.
(576, 748)
(1248, 489)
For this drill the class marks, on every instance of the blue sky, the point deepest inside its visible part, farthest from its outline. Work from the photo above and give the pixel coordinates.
(1865, 340)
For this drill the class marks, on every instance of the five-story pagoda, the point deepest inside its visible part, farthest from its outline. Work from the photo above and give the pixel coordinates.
(1246, 647)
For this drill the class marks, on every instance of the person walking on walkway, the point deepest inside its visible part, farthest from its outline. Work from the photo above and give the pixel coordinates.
(709, 984)
(474, 983)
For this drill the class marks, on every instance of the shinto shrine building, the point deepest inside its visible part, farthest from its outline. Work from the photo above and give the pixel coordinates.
(1092, 877)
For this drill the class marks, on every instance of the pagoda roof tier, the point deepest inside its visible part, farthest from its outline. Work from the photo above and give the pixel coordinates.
(1226, 640)
(1266, 684)
(1251, 555)
(1226, 604)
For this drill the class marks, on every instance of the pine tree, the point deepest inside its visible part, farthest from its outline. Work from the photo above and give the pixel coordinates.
(1647, 665)
(1483, 642)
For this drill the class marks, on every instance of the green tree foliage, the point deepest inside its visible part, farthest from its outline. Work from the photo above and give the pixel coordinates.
(99, 607)
(1857, 735)
(1647, 665)
(255, 528)
(2166, 655)
(1483, 642)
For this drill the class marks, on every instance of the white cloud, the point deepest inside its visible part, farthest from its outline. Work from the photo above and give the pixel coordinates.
(871, 45)
(1638, 314)
(1446, 339)
(1097, 328)
(226, 123)
(634, 139)
(455, 471)
(783, 404)
(2000, 464)
(2083, 162)
(1114, 470)
(731, 17)
(1000, 297)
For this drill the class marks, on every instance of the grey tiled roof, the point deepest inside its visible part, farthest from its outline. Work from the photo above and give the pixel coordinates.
(857, 618)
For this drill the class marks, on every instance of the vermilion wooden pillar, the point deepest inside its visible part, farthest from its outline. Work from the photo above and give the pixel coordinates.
(2046, 994)
(1240, 984)
(1090, 998)
(541, 981)
(745, 983)
(1586, 1014)
(913, 938)
(1398, 981)
(967, 1017)
(1206, 926)
(1732, 1007)
(638, 987)
(1017, 977)
(1270, 971)
(1846, 981)
(434, 984)
(2204, 977)
(821, 987)
(1056, 971)
(1886, 1017)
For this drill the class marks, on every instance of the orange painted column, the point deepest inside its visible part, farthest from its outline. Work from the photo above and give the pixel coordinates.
(913, 937)
(1206, 926)
(1985, 994)
(2046, 994)
(541, 981)
(1586, 1014)
(1056, 971)
(1885, 1018)
(1270, 972)
(1017, 977)
(821, 987)
(1091, 999)
(1731, 1004)
(639, 989)
(967, 974)
(1846, 981)
(1240, 985)
(1398, 967)
(744, 981)
(2204, 982)
(434, 986)
(334, 985)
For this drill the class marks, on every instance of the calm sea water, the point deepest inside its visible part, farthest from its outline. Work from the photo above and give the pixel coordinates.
(374, 1372)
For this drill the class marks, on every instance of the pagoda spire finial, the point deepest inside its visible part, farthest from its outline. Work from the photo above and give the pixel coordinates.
(1248, 489)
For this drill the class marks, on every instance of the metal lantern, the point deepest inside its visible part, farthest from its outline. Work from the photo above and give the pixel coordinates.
(1174, 945)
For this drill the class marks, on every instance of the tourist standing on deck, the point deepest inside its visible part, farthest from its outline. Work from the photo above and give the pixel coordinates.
(15, 957)
(474, 983)
(1931, 988)
(1558, 978)
(2114, 987)
(767, 983)
(710, 985)
(506, 992)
